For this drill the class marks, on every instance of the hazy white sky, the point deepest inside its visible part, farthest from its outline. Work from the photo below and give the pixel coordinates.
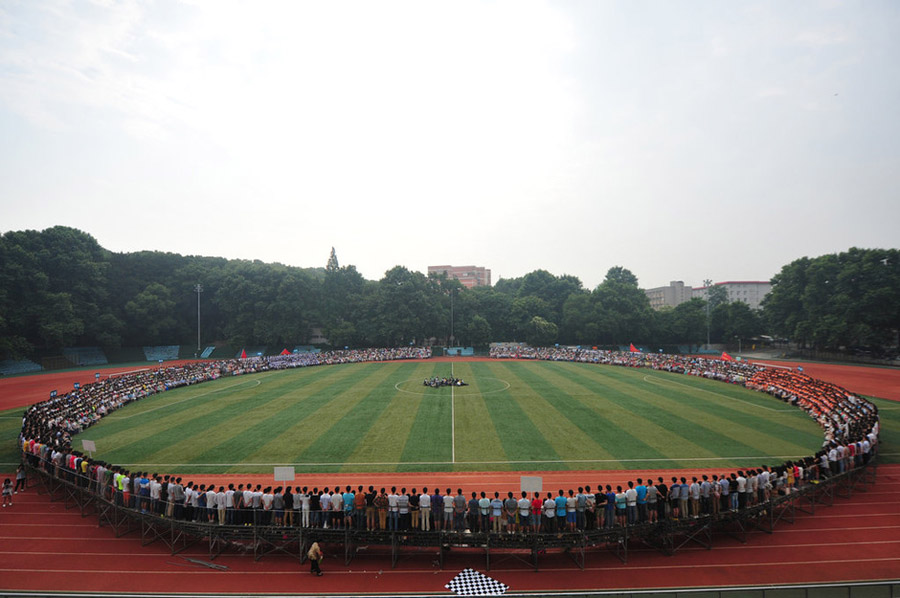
(682, 140)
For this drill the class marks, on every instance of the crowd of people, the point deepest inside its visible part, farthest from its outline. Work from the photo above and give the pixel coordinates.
(436, 382)
(850, 422)
(735, 372)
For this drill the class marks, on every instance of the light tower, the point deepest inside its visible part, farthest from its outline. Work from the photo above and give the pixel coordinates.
(198, 289)
(707, 283)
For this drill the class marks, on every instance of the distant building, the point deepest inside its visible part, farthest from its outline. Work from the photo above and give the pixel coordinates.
(469, 276)
(674, 294)
(750, 292)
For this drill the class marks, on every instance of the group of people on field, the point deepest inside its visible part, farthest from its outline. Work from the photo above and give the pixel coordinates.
(436, 382)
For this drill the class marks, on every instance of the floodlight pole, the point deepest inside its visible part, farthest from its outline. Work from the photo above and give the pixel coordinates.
(198, 289)
(451, 315)
(707, 282)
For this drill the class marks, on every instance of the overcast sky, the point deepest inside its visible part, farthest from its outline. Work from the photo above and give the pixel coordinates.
(682, 140)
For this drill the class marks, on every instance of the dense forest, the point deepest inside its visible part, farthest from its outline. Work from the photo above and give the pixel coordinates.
(60, 288)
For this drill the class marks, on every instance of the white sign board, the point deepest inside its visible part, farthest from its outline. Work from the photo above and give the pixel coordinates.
(284, 474)
(88, 445)
(531, 483)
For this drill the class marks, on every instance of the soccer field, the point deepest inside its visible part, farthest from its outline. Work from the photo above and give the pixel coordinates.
(512, 416)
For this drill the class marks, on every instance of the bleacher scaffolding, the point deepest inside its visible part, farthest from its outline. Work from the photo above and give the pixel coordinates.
(668, 537)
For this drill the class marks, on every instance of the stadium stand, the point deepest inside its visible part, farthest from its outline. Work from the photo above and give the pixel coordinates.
(163, 352)
(460, 351)
(85, 355)
(9, 367)
(207, 352)
(305, 349)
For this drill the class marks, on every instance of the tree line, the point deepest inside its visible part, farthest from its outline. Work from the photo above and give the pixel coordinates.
(60, 288)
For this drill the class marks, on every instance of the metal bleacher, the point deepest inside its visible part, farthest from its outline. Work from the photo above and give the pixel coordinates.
(161, 352)
(85, 355)
(9, 367)
(305, 349)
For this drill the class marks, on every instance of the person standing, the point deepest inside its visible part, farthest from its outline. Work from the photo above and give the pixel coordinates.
(662, 500)
(459, 510)
(437, 509)
(315, 556)
(371, 495)
(20, 478)
(497, 513)
(425, 510)
(403, 509)
(524, 512)
(472, 515)
(549, 522)
(7, 492)
(393, 510)
(484, 507)
(381, 505)
(510, 506)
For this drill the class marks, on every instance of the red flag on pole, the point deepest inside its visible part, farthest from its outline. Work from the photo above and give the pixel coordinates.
(243, 354)
(285, 352)
(726, 357)
(633, 349)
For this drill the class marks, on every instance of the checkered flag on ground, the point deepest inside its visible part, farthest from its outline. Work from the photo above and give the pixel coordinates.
(470, 582)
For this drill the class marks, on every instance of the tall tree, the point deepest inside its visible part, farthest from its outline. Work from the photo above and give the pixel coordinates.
(624, 309)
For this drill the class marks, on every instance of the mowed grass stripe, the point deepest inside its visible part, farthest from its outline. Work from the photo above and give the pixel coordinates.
(687, 431)
(756, 432)
(389, 434)
(564, 422)
(609, 429)
(176, 438)
(342, 423)
(780, 419)
(477, 438)
(175, 405)
(296, 427)
(429, 438)
(310, 419)
(521, 439)
(177, 434)
(240, 438)
(656, 418)
(634, 436)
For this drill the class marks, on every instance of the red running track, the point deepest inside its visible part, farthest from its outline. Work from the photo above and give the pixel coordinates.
(46, 548)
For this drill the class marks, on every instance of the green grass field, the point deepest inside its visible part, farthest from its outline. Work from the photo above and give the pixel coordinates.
(512, 416)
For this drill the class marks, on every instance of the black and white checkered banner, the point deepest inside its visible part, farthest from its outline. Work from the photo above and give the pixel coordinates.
(470, 582)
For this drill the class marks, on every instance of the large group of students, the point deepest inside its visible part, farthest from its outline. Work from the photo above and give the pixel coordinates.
(851, 438)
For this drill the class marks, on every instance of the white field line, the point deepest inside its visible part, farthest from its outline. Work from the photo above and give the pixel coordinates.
(712, 460)
(813, 564)
(155, 555)
(114, 418)
(653, 380)
(452, 419)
